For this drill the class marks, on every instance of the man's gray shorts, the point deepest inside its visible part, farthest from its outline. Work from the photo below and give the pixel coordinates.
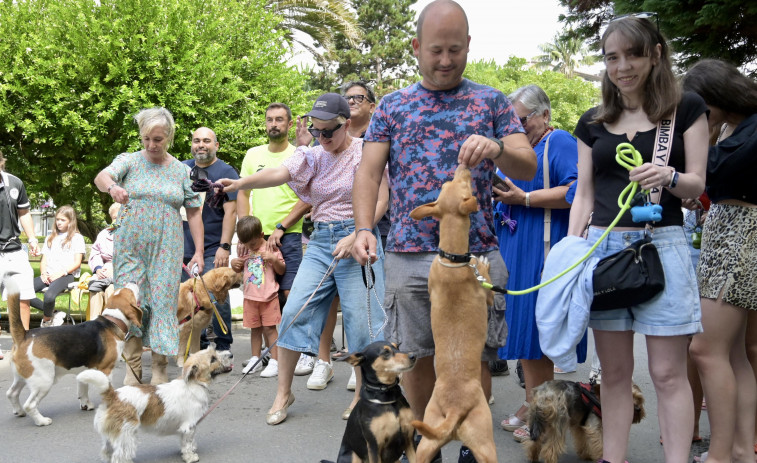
(408, 307)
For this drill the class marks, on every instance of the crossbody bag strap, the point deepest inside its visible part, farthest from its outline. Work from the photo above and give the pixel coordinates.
(661, 153)
(547, 211)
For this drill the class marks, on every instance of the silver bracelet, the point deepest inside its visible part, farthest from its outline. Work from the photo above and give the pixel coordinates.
(528, 199)
(111, 186)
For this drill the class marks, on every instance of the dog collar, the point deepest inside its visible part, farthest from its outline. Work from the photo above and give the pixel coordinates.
(382, 395)
(117, 323)
(456, 258)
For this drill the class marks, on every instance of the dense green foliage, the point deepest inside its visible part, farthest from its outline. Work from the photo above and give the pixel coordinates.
(566, 53)
(570, 97)
(383, 57)
(73, 74)
(725, 29)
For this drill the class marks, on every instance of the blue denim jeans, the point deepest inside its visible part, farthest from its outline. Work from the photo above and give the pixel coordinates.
(223, 341)
(347, 281)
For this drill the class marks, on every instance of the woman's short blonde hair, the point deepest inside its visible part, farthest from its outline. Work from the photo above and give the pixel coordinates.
(338, 120)
(150, 118)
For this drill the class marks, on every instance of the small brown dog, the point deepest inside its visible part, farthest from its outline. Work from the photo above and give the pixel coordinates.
(166, 409)
(458, 408)
(195, 317)
(561, 405)
(42, 355)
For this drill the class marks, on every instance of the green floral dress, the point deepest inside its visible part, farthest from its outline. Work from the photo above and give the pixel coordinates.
(148, 243)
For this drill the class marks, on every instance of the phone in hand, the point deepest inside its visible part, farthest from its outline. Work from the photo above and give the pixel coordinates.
(499, 182)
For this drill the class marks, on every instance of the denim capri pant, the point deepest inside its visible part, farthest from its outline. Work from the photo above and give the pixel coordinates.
(346, 281)
(676, 310)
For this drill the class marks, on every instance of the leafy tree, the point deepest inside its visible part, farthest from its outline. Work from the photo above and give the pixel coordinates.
(320, 20)
(725, 29)
(383, 56)
(565, 54)
(570, 97)
(74, 73)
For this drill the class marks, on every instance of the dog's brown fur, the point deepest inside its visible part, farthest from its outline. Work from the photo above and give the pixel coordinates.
(557, 406)
(458, 408)
(41, 355)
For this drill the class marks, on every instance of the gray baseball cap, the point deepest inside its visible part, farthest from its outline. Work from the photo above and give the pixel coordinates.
(330, 106)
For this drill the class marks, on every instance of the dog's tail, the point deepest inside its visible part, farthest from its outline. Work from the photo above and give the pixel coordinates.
(443, 432)
(18, 332)
(99, 381)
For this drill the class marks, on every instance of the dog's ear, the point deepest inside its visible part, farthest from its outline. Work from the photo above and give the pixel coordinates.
(469, 205)
(136, 316)
(191, 371)
(355, 359)
(426, 210)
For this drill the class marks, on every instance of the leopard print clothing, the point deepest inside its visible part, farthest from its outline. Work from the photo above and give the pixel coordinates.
(729, 255)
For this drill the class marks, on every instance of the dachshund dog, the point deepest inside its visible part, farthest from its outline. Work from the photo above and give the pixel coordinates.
(561, 405)
(458, 408)
(42, 355)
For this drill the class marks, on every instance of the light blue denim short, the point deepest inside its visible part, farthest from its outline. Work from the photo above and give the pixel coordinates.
(347, 280)
(673, 312)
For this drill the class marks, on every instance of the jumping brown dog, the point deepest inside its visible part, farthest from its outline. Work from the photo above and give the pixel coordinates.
(458, 408)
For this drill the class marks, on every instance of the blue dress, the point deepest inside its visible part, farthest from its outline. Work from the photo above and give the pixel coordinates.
(523, 248)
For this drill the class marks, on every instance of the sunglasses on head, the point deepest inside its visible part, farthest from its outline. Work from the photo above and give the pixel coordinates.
(642, 15)
(198, 173)
(325, 133)
(524, 120)
(358, 98)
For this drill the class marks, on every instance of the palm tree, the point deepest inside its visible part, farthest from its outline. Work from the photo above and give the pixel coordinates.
(565, 54)
(317, 19)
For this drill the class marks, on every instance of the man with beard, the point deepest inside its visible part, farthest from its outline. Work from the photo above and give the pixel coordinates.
(278, 208)
(219, 222)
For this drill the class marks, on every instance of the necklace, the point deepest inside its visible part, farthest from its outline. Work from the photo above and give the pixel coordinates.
(723, 129)
(546, 131)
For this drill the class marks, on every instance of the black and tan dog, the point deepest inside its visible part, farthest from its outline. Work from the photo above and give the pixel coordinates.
(378, 429)
(42, 355)
(560, 405)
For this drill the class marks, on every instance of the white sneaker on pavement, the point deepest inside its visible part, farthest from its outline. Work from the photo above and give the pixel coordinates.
(272, 370)
(46, 323)
(322, 374)
(352, 383)
(304, 365)
(59, 318)
(249, 363)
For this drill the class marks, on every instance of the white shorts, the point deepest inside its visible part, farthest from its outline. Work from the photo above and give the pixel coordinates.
(21, 272)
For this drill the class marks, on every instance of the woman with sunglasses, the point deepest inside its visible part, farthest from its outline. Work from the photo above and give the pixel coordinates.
(519, 220)
(638, 91)
(323, 176)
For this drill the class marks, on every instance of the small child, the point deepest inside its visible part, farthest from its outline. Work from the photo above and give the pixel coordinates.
(261, 302)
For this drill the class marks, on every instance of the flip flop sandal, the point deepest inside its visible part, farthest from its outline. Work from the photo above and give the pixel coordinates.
(511, 423)
(340, 354)
(522, 434)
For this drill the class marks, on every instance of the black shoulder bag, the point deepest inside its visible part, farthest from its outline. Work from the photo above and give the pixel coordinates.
(635, 274)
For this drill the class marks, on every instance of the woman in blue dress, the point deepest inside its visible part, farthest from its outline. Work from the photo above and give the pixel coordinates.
(519, 221)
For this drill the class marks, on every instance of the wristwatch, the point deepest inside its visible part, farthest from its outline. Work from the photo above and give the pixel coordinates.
(281, 227)
(226, 246)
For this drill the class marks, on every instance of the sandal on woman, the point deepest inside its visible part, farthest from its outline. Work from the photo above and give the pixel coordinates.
(340, 354)
(512, 422)
(522, 434)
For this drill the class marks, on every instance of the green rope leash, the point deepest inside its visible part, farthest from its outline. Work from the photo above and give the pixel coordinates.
(627, 156)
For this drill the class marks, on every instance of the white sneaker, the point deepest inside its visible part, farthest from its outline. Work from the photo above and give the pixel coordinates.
(595, 376)
(352, 383)
(322, 374)
(304, 365)
(59, 318)
(46, 323)
(272, 370)
(248, 365)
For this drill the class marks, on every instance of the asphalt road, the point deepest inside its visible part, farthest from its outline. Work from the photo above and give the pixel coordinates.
(236, 429)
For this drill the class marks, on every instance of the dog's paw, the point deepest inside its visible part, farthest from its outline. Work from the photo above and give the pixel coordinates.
(19, 413)
(86, 406)
(190, 457)
(43, 421)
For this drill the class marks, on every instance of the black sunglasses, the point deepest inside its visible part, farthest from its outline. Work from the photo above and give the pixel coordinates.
(326, 133)
(524, 120)
(642, 15)
(198, 173)
(358, 98)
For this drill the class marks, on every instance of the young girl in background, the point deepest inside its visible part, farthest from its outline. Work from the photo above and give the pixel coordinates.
(62, 254)
(261, 303)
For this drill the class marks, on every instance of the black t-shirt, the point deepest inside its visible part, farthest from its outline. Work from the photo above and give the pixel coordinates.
(610, 178)
(12, 198)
